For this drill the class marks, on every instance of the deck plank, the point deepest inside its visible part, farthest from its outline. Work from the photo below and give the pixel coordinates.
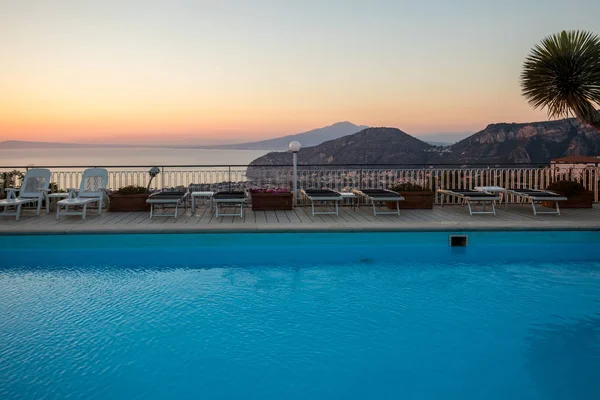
(455, 216)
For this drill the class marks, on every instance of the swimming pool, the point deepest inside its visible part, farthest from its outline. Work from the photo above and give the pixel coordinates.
(271, 316)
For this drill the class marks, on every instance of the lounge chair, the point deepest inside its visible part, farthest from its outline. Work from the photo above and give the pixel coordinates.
(537, 196)
(472, 196)
(166, 199)
(35, 184)
(378, 196)
(91, 190)
(236, 199)
(322, 196)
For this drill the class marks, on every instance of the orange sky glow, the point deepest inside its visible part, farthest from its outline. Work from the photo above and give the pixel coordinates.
(105, 72)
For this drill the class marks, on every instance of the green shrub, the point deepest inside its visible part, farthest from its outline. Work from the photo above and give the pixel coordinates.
(10, 179)
(132, 189)
(568, 188)
(54, 188)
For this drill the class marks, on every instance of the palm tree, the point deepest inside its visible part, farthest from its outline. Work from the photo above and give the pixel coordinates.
(562, 74)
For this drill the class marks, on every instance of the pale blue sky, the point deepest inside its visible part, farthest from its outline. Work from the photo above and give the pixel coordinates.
(246, 69)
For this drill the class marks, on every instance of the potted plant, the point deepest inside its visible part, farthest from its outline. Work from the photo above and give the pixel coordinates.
(578, 196)
(415, 196)
(132, 198)
(271, 199)
(8, 180)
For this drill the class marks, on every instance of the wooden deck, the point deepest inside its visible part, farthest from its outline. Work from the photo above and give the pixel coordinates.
(448, 218)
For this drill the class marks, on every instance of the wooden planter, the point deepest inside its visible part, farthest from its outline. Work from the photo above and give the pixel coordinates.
(581, 200)
(415, 200)
(128, 202)
(272, 201)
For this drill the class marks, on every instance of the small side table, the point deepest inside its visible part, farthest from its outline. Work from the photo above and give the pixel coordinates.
(495, 189)
(351, 197)
(54, 197)
(206, 195)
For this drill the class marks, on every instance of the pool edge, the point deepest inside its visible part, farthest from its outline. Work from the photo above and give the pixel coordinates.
(458, 227)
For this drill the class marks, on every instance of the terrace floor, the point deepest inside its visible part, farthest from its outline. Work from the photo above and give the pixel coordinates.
(447, 218)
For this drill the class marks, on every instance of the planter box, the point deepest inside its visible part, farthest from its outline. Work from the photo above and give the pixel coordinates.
(415, 200)
(272, 201)
(128, 202)
(582, 200)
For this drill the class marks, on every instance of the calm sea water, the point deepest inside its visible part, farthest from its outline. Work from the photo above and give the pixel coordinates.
(394, 316)
(126, 156)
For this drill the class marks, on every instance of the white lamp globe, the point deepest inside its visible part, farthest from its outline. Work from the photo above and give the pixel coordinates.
(295, 146)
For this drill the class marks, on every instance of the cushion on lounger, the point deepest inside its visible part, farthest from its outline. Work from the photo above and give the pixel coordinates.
(229, 195)
(321, 193)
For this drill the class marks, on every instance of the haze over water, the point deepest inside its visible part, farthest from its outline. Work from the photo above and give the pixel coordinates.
(106, 157)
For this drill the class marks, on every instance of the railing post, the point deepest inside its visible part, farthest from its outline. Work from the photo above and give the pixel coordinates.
(162, 177)
(229, 178)
(360, 186)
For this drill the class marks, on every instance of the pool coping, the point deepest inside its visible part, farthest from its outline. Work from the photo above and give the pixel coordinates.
(434, 227)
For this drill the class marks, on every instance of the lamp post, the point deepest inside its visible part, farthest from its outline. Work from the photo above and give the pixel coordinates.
(295, 148)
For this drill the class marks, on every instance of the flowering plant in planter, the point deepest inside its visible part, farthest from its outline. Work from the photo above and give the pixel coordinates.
(132, 197)
(567, 188)
(415, 195)
(271, 199)
(578, 196)
(269, 190)
(407, 187)
(132, 189)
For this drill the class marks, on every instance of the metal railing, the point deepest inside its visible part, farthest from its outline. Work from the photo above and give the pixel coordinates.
(337, 177)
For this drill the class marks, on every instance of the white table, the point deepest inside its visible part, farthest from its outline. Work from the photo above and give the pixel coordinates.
(50, 197)
(351, 196)
(206, 195)
(494, 189)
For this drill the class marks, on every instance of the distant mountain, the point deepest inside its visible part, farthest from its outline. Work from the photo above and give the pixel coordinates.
(306, 139)
(369, 146)
(537, 142)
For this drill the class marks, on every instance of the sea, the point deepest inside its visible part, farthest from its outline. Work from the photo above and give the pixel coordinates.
(125, 156)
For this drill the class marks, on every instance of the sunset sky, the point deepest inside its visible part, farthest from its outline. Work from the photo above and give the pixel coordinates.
(207, 71)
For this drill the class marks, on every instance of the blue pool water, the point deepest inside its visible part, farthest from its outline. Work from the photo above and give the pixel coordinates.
(296, 316)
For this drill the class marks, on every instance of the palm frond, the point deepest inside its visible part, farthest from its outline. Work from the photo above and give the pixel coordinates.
(562, 74)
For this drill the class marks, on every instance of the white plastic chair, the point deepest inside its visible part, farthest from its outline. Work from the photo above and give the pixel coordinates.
(91, 190)
(35, 183)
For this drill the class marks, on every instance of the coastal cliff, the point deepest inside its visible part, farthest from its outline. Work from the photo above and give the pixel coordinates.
(537, 142)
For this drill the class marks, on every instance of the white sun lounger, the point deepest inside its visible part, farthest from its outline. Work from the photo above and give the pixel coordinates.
(165, 199)
(236, 199)
(35, 183)
(468, 197)
(537, 196)
(91, 190)
(323, 196)
(378, 196)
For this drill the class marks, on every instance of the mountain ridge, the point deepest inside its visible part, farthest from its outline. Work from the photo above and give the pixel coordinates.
(310, 138)
(536, 142)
